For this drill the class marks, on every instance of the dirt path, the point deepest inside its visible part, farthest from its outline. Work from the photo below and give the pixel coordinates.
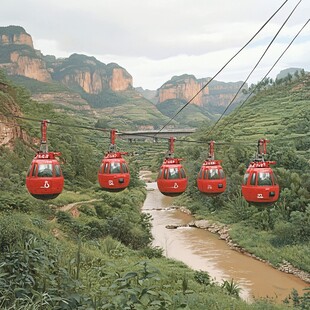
(145, 175)
(74, 204)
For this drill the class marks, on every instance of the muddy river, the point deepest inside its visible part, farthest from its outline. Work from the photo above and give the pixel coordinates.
(203, 250)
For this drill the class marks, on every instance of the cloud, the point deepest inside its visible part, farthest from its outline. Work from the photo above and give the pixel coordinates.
(154, 40)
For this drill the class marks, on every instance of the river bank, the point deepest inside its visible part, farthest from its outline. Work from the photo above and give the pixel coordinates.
(222, 231)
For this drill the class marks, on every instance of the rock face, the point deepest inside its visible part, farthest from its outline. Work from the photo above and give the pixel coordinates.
(186, 87)
(8, 131)
(15, 35)
(90, 82)
(18, 57)
(182, 87)
(91, 75)
(33, 68)
(120, 80)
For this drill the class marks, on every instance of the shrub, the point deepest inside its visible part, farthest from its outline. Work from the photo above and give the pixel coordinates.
(152, 252)
(284, 234)
(202, 277)
(12, 230)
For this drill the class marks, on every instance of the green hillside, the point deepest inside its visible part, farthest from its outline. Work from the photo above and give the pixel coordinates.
(98, 254)
(193, 117)
(124, 110)
(281, 114)
(100, 259)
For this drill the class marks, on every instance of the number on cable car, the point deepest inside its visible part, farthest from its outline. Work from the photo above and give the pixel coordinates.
(172, 180)
(44, 178)
(113, 175)
(211, 179)
(260, 186)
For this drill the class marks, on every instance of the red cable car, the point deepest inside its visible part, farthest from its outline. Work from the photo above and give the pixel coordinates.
(44, 178)
(113, 175)
(211, 179)
(260, 185)
(171, 180)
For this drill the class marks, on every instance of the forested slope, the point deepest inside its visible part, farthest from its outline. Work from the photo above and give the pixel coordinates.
(86, 249)
(279, 112)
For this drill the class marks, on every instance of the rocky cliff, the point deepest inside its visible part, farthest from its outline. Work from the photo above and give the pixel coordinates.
(185, 87)
(120, 79)
(15, 35)
(9, 129)
(91, 75)
(18, 57)
(182, 87)
(33, 68)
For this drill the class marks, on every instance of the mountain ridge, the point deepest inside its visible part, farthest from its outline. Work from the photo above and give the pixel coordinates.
(83, 83)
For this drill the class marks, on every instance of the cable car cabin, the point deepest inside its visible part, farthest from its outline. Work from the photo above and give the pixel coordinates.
(172, 180)
(113, 175)
(44, 178)
(211, 179)
(260, 185)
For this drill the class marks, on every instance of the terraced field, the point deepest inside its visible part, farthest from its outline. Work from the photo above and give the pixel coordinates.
(280, 114)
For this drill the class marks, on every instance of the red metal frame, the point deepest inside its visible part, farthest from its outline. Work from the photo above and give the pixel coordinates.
(171, 187)
(44, 187)
(211, 186)
(260, 194)
(113, 182)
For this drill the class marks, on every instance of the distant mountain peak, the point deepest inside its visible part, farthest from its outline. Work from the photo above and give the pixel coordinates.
(15, 35)
(78, 71)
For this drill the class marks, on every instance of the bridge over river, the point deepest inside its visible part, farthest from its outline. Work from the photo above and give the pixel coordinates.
(154, 135)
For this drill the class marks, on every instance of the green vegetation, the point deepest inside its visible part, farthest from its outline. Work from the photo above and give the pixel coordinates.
(194, 115)
(98, 253)
(12, 30)
(23, 50)
(105, 99)
(277, 233)
(77, 62)
(130, 112)
(36, 87)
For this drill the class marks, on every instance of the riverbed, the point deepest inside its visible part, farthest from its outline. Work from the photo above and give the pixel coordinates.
(203, 250)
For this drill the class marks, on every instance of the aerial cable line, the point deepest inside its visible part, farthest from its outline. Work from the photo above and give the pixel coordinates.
(214, 76)
(55, 123)
(160, 147)
(254, 89)
(75, 126)
(260, 59)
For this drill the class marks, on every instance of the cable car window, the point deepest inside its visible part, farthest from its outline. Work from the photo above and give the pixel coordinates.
(35, 170)
(105, 167)
(160, 173)
(45, 170)
(183, 174)
(253, 179)
(29, 171)
(264, 178)
(245, 179)
(115, 168)
(173, 173)
(213, 174)
(222, 174)
(205, 175)
(200, 174)
(275, 180)
(165, 173)
(57, 171)
(124, 167)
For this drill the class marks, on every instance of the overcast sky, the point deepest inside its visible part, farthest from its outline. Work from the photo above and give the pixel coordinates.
(157, 39)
